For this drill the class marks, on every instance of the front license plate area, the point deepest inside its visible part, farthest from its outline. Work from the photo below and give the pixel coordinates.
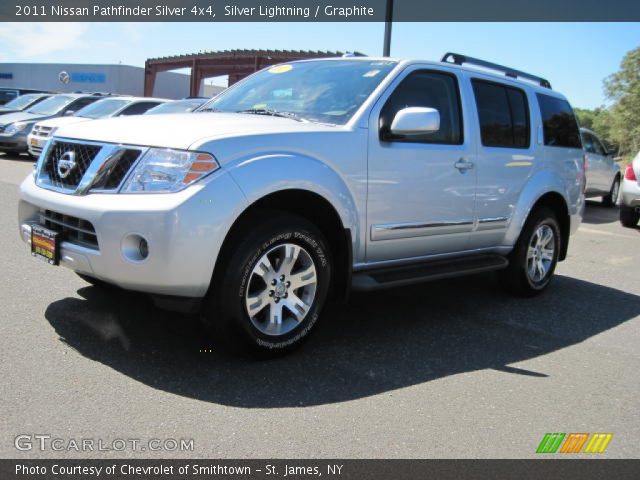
(45, 244)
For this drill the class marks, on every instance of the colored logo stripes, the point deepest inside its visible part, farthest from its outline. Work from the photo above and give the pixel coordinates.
(573, 442)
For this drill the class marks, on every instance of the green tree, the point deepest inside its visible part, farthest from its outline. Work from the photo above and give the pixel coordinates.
(623, 88)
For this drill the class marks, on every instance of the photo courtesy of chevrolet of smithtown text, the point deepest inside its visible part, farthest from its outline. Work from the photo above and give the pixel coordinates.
(348, 239)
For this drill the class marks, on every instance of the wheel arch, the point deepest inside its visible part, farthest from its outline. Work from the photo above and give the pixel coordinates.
(558, 205)
(314, 208)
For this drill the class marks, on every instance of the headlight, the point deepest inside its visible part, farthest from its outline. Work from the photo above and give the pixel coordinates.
(16, 127)
(162, 170)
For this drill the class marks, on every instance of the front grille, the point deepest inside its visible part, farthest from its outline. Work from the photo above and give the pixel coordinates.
(74, 230)
(84, 155)
(42, 131)
(116, 169)
(35, 149)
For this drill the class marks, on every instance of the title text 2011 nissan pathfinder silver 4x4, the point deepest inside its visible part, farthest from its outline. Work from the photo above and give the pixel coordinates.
(311, 178)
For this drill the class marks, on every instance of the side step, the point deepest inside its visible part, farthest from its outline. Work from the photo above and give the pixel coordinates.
(424, 272)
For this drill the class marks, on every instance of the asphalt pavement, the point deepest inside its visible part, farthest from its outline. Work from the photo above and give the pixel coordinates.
(449, 369)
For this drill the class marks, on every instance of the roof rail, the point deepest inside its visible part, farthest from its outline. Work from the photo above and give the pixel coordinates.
(458, 59)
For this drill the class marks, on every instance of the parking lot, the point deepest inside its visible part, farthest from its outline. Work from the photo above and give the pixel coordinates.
(448, 369)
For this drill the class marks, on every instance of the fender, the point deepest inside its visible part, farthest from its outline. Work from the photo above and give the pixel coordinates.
(260, 176)
(542, 182)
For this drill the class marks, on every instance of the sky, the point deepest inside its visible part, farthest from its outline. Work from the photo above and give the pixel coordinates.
(574, 57)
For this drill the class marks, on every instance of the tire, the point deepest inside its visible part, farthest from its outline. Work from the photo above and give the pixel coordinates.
(611, 198)
(629, 217)
(522, 277)
(252, 305)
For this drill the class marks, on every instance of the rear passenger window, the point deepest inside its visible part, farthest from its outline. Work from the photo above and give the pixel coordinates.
(138, 108)
(503, 114)
(559, 122)
(424, 88)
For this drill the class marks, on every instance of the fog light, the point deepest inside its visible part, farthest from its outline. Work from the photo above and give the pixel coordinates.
(135, 248)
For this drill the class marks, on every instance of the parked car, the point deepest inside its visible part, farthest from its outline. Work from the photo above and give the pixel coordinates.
(23, 102)
(308, 179)
(630, 197)
(603, 173)
(15, 127)
(178, 106)
(8, 93)
(104, 108)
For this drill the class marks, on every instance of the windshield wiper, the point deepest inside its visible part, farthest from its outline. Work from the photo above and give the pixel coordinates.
(272, 113)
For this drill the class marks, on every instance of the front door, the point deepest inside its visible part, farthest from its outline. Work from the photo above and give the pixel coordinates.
(421, 188)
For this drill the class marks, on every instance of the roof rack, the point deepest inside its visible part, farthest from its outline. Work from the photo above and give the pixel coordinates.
(458, 59)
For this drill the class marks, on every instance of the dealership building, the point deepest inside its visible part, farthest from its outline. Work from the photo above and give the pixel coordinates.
(63, 77)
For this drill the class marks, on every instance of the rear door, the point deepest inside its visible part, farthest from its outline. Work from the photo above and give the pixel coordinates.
(506, 157)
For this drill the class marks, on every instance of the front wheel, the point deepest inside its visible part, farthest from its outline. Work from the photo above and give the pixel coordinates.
(269, 294)
(611, 198)
(535, 256)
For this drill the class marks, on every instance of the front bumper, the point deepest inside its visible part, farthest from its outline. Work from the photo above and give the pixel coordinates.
(13, 143)
(36, 143)
(630, 194)
(184, 231)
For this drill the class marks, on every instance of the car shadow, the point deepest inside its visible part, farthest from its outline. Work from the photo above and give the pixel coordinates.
(376, 343)
(597, 214)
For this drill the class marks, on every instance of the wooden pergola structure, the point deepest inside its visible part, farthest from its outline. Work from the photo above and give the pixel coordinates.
(235, 63)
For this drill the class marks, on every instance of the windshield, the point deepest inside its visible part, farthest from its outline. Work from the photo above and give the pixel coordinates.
(52, 105)
(327, 91)
(22, 101)
(179, 106)
(102, 108)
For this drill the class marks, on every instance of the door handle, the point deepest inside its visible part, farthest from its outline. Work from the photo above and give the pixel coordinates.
(463, 165)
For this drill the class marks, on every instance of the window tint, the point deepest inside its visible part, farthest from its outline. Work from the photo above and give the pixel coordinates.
(559, 122)
(587, 142)
(597, 145)
(426, 89)
(503, 114)
(81, 103)
(138, 108)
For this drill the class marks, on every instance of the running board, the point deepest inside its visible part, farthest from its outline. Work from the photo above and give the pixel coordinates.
(424, 272)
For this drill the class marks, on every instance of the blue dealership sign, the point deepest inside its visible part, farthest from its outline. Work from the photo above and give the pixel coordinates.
(88, 77)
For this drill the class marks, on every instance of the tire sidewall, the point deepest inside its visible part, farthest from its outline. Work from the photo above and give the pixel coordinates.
(239, 274)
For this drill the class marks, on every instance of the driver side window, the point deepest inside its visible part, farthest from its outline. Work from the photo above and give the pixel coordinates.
(426, 88)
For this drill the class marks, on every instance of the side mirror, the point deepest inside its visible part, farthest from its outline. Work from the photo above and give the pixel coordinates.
(68, 113)
(612, 152)
(416, 121)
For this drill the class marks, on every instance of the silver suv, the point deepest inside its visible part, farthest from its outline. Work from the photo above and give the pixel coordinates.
(311, 178)
(603, 173)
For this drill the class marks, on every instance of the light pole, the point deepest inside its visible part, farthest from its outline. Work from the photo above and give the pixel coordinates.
(388, 20)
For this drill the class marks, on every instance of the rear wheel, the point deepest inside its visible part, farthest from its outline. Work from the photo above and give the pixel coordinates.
(535, 256)
(629, 217)
(611, 198)
(267, 297)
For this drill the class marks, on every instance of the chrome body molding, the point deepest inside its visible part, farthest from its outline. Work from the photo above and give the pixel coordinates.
(394, 231)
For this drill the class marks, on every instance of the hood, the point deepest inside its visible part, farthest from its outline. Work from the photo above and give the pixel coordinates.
(184, 129)
(18, 117)
(58, 122)
(5, 110)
